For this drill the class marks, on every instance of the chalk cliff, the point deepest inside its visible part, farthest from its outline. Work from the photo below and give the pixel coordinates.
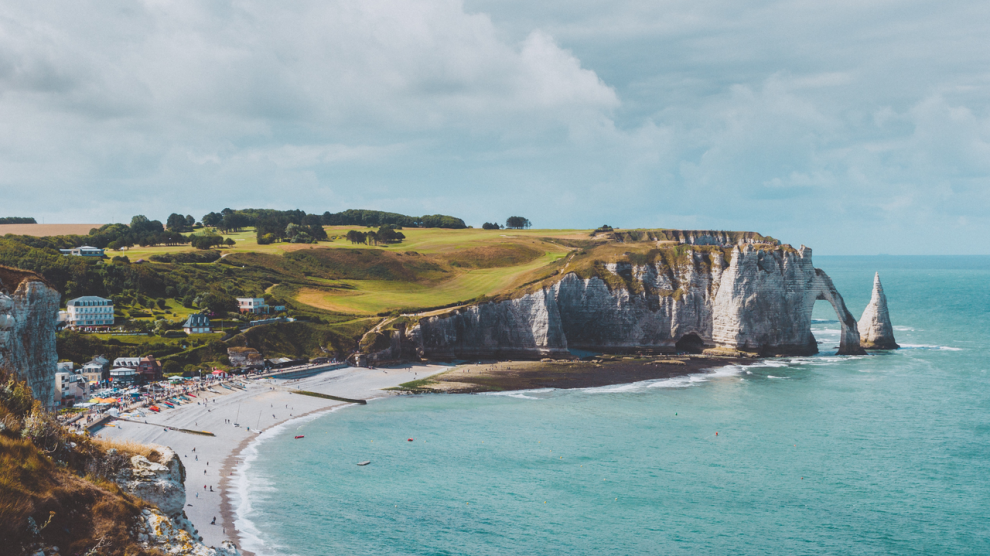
(875, 330)
(166, 529)
(28, 318)
(755, 299)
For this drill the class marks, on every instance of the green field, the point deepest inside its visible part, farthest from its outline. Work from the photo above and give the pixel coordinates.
(375, 296)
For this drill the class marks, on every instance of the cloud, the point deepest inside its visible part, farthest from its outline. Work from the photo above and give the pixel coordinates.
(820, 124)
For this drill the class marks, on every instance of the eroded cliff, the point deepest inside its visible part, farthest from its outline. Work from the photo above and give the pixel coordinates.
(875, 329)
(750, 298)
(28, 318)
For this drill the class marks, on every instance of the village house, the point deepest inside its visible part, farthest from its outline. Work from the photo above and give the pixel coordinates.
(147, 369)
(254, 305)
(84, 251)
(97, 370)
(197, 324)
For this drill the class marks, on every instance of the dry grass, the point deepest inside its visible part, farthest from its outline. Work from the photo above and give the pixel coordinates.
(45, 230)
(127, 447)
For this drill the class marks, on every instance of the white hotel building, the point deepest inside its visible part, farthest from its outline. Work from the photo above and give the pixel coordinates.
(89, 311)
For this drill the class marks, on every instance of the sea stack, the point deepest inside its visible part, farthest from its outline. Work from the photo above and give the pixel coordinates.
(875, 331)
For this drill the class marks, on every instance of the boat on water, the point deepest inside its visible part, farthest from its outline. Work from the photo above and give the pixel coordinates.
(300, 436)
(363, 463)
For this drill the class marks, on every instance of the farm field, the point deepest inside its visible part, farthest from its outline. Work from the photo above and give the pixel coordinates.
(422, 240)
(45, 230)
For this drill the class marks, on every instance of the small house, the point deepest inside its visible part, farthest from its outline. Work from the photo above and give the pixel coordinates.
(197, 324)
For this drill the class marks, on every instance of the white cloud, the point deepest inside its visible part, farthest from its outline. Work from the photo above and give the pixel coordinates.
(818, 123)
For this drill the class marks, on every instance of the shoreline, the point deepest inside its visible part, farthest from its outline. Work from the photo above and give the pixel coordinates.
(218, 412)
(229, 447)
(606, 370)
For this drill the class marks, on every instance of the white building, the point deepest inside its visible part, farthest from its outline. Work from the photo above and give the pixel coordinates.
(89, 311)
(70, 385)
(84, 251)
(252, 305)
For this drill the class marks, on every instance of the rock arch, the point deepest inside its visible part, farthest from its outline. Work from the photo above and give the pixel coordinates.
(849, 336)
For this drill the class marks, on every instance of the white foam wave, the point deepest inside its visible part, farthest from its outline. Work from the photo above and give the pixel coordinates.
(904, 329)
(771, 376)
(521, 394)
(925, 346)
(244, 489)
(674, 382)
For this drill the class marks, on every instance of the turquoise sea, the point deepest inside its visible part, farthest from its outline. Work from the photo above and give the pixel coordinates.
(883, 454)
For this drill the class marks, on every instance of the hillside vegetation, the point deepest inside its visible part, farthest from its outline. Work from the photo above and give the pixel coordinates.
(335, 289)
(55, 487)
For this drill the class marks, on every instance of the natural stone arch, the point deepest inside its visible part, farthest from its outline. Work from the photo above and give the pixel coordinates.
(849, 336)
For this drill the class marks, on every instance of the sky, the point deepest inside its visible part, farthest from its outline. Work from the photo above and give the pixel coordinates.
(853, 127)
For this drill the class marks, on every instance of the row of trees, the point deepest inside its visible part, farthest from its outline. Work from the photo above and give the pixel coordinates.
(17, 220)
(512, 223)
(385, 234)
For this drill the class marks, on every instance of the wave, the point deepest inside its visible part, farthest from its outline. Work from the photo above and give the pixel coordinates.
(904, 329)
(521, 394)
(251, 537)
(771, 376)
(673, 382)
(925, 346)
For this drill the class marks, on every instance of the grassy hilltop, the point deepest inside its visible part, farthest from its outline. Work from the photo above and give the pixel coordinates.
(336, 289)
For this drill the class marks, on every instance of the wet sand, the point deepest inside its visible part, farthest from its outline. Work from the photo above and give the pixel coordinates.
(495, 376)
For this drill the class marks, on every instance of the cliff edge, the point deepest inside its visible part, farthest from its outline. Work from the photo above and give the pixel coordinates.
(28, 319)
(754, 297)
(875, 330)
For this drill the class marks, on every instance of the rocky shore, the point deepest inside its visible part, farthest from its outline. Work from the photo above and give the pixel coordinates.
(605, 370)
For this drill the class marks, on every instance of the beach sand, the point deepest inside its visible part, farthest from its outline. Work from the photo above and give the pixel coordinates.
(262, 405)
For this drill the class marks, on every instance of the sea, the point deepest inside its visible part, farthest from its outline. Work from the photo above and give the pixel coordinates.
(881, 454)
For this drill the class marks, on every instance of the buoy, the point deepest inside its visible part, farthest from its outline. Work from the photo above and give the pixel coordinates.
(410, 440)
(716, 433)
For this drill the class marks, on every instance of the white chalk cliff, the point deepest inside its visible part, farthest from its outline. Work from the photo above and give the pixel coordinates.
(759, 300)
(875, 330)
(28, 318)
(161, 483)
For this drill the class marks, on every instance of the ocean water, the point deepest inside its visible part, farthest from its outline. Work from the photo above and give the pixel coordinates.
(883, 454)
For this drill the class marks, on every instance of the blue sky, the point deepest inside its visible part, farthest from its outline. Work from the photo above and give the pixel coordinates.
(854, 127)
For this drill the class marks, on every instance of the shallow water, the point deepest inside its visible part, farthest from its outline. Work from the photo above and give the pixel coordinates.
(884, 454)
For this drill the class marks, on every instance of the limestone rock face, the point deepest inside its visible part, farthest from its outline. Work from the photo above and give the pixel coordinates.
(875, 330)
(765, 303)
(760, 300)
(160, 483)
(28, 319)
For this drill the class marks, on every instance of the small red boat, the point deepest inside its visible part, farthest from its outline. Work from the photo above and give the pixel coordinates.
(155, 408)
(301, 436)
(410, 440)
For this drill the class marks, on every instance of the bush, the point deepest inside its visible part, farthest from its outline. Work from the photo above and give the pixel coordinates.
(207, 257)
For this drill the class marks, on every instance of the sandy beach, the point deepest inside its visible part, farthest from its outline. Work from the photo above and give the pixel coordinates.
(263, 404)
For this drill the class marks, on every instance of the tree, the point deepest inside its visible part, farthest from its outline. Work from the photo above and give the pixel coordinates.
(175, 222)
(228, 242)
(212, 219)
(517, 223)
(490, 226)
(190, 221)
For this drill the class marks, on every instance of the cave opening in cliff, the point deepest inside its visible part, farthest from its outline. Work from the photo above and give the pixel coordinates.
(690, 343)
